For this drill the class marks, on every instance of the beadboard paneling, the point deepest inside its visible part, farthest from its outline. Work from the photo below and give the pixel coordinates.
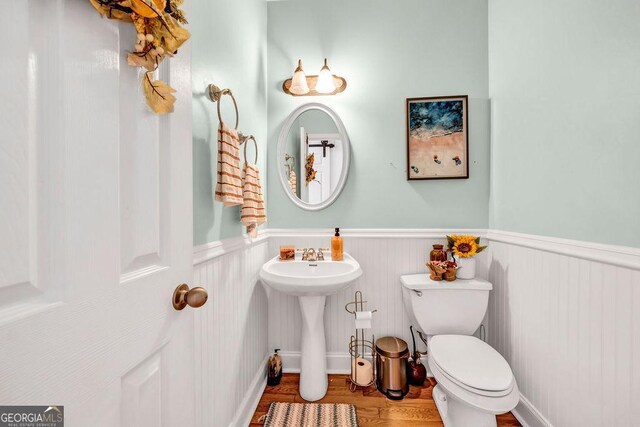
(384, 256)
(566, 316)
(231, 332)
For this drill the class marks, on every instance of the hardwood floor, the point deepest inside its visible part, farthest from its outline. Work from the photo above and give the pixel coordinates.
(374, 409)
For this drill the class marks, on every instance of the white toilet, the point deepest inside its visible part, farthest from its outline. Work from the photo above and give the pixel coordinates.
(475, 382)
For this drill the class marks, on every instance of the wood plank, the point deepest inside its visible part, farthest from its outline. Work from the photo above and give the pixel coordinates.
(506, 420)
(374, 409)
(367, 412)
(410, 414)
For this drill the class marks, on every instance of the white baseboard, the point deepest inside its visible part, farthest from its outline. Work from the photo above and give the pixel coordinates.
(252, 398)
(337, 363)
(528, 415)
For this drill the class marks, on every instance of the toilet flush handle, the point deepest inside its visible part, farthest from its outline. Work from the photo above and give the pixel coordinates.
(419, 293)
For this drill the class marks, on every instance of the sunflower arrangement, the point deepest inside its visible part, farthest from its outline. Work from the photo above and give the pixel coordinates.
(464, 246)
(160, 34)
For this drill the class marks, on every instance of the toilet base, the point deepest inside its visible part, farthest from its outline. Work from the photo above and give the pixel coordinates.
(455, 413)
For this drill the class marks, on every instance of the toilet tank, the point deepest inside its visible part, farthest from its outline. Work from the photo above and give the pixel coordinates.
(441, 307)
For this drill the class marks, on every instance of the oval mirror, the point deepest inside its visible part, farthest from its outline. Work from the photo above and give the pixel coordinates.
(313, 156)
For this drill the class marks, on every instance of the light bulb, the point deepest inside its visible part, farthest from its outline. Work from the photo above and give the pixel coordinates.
(325, 80)
(299, 81)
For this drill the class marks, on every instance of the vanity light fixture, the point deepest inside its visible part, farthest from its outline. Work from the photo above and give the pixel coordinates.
(323, 84)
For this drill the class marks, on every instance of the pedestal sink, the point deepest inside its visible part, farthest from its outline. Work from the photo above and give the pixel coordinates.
(311, 282)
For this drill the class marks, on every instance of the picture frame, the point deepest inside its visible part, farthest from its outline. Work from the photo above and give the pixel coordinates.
(437, 137)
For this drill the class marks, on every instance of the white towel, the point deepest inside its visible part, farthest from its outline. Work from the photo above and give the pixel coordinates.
(252, 213)
(229, 184)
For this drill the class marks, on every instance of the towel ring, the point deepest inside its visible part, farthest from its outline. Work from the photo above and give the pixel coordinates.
(255, 144)
(215, 93)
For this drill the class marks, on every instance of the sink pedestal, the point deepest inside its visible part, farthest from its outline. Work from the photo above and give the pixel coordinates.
(311, 282)
(313, 360)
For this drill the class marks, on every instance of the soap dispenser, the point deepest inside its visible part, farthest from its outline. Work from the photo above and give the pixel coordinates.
(336, 247)
(274, 373)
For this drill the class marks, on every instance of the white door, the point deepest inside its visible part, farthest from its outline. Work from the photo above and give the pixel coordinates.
(304, 186)
(95, 223)
(320, 188)
(327, 164)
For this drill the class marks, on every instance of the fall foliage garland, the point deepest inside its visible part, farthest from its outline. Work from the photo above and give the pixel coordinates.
(160, 34)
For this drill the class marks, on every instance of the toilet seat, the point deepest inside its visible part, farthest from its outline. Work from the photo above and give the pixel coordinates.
(480, 392)
(473, 398)
(471, 364)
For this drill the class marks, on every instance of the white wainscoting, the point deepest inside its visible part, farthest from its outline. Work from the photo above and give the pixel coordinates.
(384, 256)
(566, 316)
(231, 331)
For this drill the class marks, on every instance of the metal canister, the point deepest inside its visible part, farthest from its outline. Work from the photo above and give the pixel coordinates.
(392, 355)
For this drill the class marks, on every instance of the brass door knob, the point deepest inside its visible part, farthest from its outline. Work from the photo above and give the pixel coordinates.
(184, 296)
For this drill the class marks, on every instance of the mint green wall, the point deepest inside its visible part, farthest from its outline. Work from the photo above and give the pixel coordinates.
(564, 85)
(565, 91)
(388, 51)
(229, 49)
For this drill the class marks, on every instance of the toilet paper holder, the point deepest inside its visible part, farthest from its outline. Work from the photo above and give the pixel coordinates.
(361, 350)
(357, 303)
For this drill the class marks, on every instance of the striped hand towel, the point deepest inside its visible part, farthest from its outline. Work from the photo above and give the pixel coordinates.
(252, 213)
(293, 182)
(229, 185)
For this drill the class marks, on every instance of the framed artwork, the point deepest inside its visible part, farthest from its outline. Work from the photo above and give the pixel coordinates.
(438, 138)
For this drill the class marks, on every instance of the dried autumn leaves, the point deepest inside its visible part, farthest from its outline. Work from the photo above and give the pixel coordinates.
(160, 34)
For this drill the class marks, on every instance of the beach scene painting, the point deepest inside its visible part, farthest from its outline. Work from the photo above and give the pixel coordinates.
(437, 138)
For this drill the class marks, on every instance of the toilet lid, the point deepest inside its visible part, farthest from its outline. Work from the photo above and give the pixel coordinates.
(471, 361)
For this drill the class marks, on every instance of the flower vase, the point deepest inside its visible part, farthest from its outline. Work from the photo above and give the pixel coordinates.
(437, 253)
(467, 268)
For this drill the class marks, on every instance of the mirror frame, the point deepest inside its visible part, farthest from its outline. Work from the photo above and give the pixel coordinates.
(346, 155)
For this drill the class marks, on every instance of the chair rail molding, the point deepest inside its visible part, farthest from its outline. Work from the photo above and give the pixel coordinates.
(217, 248)
(621, 256)
(374, 233)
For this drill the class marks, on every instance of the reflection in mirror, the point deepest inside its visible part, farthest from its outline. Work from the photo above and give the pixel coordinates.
(312, 149)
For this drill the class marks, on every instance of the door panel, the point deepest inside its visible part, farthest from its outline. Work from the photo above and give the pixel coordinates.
(142, 393)
(95, 225)
(144, 190)
(24, 284)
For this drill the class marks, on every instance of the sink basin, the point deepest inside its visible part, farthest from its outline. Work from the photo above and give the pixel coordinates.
(301, 278)
(311, 282)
